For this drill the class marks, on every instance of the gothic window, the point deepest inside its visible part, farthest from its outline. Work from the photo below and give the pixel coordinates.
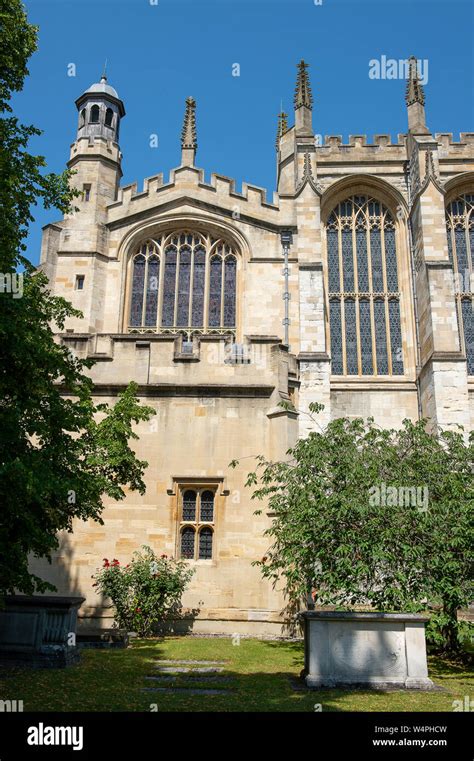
(183, 283)
(197, 523)
(109, 115)
(82, 119)
(364, 298)
(460, 231)
(94, 114)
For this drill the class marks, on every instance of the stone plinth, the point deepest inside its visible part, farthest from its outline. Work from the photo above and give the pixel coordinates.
(39, 631)
(375, 650)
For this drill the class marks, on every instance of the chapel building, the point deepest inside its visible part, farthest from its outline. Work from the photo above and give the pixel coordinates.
(351, 286)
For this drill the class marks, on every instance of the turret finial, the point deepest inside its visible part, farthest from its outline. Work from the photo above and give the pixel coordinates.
(415, 100)
(414, 90)
(188, 134)
(282, 127)
(303, 96)
(104, 72)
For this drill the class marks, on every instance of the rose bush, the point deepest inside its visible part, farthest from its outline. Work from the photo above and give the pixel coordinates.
(146, 592)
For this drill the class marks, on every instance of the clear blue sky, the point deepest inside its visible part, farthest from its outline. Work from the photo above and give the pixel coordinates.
(160, 53)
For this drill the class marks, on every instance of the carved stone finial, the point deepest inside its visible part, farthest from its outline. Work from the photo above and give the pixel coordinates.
(414, 91)
(188, 134)
(282, 127)
(303, 96)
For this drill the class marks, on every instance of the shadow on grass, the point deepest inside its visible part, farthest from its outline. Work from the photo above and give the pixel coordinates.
(258, 676)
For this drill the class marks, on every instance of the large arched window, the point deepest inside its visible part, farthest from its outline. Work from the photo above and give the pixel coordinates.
(460, 230)
(185, 283)
(364, 298)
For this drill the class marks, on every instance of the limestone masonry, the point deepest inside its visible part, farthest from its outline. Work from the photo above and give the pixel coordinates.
(182, 288)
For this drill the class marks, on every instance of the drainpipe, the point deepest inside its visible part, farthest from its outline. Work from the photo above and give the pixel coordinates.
(286, 238)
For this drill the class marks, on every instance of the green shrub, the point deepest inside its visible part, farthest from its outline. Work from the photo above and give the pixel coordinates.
(436, 638)
(145, 592)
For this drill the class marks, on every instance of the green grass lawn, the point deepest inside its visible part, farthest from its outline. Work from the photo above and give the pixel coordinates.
(264, 676)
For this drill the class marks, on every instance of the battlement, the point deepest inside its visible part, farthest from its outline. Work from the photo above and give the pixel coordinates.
(184, 178)
(358, 141)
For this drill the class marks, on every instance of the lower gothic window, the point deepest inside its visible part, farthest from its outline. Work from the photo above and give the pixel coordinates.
(460, 230)
(197, 524)
(364, 298)
(183, 283)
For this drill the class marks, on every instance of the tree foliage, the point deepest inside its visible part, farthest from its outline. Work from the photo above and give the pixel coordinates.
(60, 452)
(366, 516)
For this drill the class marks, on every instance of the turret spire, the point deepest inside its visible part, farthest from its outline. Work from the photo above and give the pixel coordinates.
(188, 134)
(282, 127)
(415, 99)
(303, 101)
(303, 96)
(414, 91)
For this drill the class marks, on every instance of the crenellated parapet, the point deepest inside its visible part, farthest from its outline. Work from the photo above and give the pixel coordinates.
(189, 183)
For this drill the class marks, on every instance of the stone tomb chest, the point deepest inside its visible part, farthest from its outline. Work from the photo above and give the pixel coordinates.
(367, 649)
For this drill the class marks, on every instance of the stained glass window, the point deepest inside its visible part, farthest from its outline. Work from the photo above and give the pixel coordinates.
(468, 325)
(184, 281)
(362, 268)
(169, 287)
(391, 259)
(395, 337)
(336, 336)
(348, 261)
(138, 281)
(215, 291)
(175, 275)
(460, 232)
(361, 233)
(333, 257)
(153, 278)
(366, 337)
(199, 272)
(381, 337)
(351, 336)
(230, 272)
(205, 543)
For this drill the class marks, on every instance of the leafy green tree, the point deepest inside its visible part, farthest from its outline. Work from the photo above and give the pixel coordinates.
(366, 516)
(59, 451)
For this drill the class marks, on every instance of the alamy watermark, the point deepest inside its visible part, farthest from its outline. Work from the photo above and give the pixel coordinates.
(393, 68)
(12, 282)
(399, 496)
